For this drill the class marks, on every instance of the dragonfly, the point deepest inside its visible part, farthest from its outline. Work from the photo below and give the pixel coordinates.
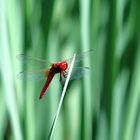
(61, 68)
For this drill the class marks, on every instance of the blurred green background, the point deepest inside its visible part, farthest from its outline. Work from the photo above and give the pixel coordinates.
(105, 105)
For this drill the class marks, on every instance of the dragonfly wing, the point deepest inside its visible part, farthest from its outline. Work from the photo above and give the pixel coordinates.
(79, 72)
(30, 60)
(80, 56)
(35, 75)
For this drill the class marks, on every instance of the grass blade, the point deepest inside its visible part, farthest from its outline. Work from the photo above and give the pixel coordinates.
(7, 75)
(61, 100)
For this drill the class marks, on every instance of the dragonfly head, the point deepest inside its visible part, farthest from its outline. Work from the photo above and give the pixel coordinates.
(63, 65)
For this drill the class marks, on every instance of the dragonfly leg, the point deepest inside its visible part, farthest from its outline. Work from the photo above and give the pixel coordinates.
(62, 74)
(65, 73)
(61, 78)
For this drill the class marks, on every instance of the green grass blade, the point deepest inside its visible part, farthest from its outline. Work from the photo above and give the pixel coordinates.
(61, 99)
(7, 75)
(133, 101)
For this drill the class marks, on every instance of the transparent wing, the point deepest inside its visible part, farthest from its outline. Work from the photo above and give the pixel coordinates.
(34, 75)
(31, 60)
(40, 62)
(79, 72)
(80, 56)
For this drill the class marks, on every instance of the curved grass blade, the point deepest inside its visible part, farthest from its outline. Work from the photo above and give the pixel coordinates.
(62, 97)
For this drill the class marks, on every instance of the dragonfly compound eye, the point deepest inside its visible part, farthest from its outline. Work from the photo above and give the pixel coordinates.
(63, 65)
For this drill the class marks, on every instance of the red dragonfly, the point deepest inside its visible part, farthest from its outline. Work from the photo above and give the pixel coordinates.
(61, 68)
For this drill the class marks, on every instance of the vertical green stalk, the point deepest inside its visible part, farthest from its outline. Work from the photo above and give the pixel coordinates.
(85, 40)
(133, 101)
(3, 116)
(7, 74)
